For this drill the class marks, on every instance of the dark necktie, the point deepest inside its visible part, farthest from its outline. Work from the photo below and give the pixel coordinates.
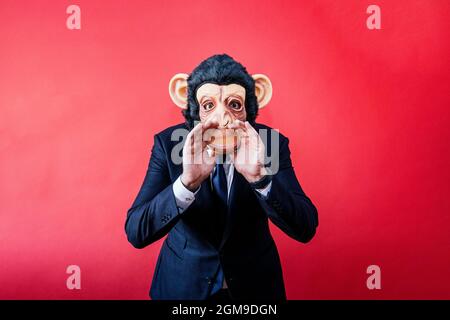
(220, 192)
(219, 182)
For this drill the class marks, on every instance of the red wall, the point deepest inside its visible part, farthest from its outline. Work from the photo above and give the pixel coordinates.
(366, 111)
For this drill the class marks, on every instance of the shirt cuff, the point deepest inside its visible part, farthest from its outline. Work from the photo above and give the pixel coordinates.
(183, 196)
(265, 191)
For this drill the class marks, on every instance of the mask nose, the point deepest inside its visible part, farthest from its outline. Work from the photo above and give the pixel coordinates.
(225, 122)
(224, 116)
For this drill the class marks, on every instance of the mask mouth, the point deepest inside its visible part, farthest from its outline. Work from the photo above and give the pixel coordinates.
(224, 141)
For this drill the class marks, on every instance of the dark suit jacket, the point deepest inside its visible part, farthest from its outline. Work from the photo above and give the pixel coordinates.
(188, 260)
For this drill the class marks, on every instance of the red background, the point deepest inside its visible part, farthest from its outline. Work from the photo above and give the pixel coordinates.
(366, 111)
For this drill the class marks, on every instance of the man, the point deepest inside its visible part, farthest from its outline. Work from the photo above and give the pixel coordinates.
(215, 205)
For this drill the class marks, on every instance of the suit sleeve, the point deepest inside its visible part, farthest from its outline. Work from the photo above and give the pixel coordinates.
(286, 205)
(154, 211)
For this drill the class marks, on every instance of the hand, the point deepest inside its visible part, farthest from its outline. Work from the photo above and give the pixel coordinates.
(248, 159)
(197, 163)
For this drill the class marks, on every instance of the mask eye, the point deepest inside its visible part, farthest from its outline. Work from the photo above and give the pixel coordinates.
(235, 105)
(208, 106)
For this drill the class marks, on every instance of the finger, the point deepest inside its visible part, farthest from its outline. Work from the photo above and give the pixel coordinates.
(199, 139)
(233, 156)
(239, 127)
(210, 123)
(241, 133)
(237, 124)
(197, 144)
(208, 135)
(197, 128)
(253, 134)
(249, 128)
(188, 148)
(208, 129)
(194, 133)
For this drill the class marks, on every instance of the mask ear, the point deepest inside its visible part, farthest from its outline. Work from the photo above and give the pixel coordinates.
(263, 89)
(178, 89)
